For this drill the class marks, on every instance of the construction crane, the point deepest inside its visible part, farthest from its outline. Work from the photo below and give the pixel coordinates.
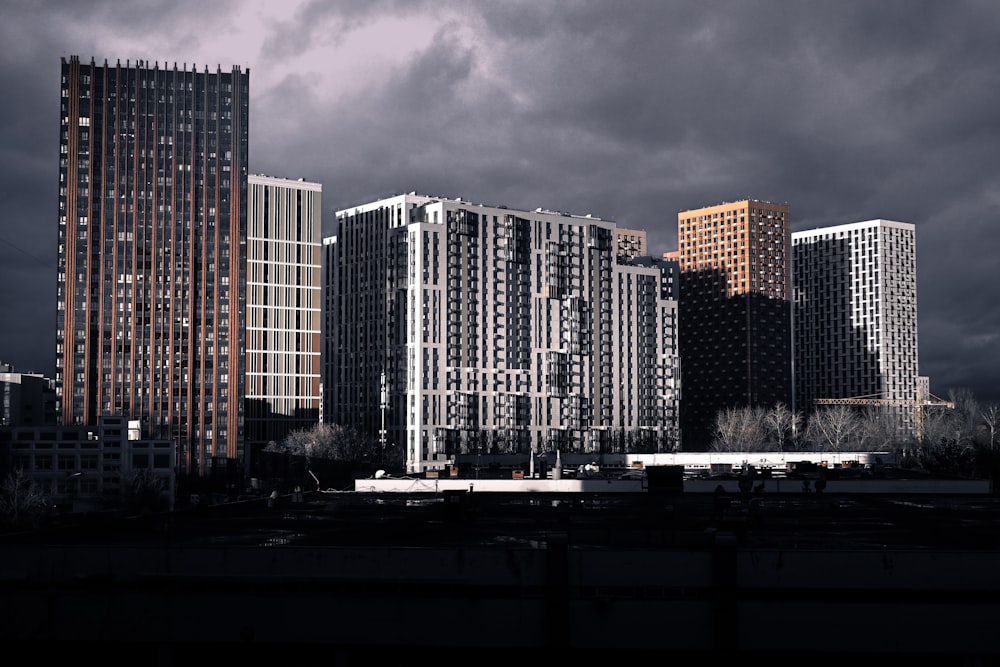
(918, 405)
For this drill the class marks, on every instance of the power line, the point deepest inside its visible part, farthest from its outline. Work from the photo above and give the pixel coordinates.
(25, 252)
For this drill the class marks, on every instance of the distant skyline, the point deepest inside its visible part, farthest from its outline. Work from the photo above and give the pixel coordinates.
(847, 111)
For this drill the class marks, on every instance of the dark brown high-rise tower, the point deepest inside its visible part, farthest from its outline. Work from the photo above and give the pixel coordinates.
(152, 252)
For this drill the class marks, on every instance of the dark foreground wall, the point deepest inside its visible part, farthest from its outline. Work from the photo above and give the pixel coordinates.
(167, 604)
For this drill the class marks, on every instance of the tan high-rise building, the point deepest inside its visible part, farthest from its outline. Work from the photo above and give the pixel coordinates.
(735, 326)
(284, 290)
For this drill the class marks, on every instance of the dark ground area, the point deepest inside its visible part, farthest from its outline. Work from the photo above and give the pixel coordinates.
(454, 577)
(684, 520)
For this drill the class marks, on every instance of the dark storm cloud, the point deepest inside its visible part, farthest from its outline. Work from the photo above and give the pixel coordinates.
(35, 35)
(329, 22)
(29, 117)
(630, 111)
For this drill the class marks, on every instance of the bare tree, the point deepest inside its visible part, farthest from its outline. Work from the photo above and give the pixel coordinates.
(739, 429)
(326, 441)
(966, 413)
(727, 431)
(754, 430)
(835, 428)
(144, 492)
(782, 424)
(940, 427)
(990, 416)
(948, 442)
(878, 429)
(22, 500)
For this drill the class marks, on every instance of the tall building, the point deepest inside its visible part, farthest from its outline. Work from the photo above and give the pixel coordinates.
(284, 286)
(735, 313)
(461, 328)
(855, 315)
(152, 253)
(647, 320)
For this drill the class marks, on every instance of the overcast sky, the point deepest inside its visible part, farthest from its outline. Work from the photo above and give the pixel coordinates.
(631, 111)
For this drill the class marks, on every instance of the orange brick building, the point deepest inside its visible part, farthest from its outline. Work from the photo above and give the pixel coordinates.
(734, 312)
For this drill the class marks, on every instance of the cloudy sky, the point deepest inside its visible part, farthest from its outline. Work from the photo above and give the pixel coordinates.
(629, 110)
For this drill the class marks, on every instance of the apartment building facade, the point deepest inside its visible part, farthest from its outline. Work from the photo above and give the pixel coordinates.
(855, 315)
(284, 309)
(735, 312)
(454, 327)
(630, 243)
(152, 252)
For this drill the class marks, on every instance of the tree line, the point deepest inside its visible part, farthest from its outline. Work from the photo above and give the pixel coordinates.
(962, 438)
(948, 437)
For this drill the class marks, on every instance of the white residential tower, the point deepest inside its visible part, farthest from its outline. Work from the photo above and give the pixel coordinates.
(855, 315)
(497, 331)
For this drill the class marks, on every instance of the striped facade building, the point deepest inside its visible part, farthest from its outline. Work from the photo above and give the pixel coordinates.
(283, 295)
(151, 260)
(855, 315)
(497, 332)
